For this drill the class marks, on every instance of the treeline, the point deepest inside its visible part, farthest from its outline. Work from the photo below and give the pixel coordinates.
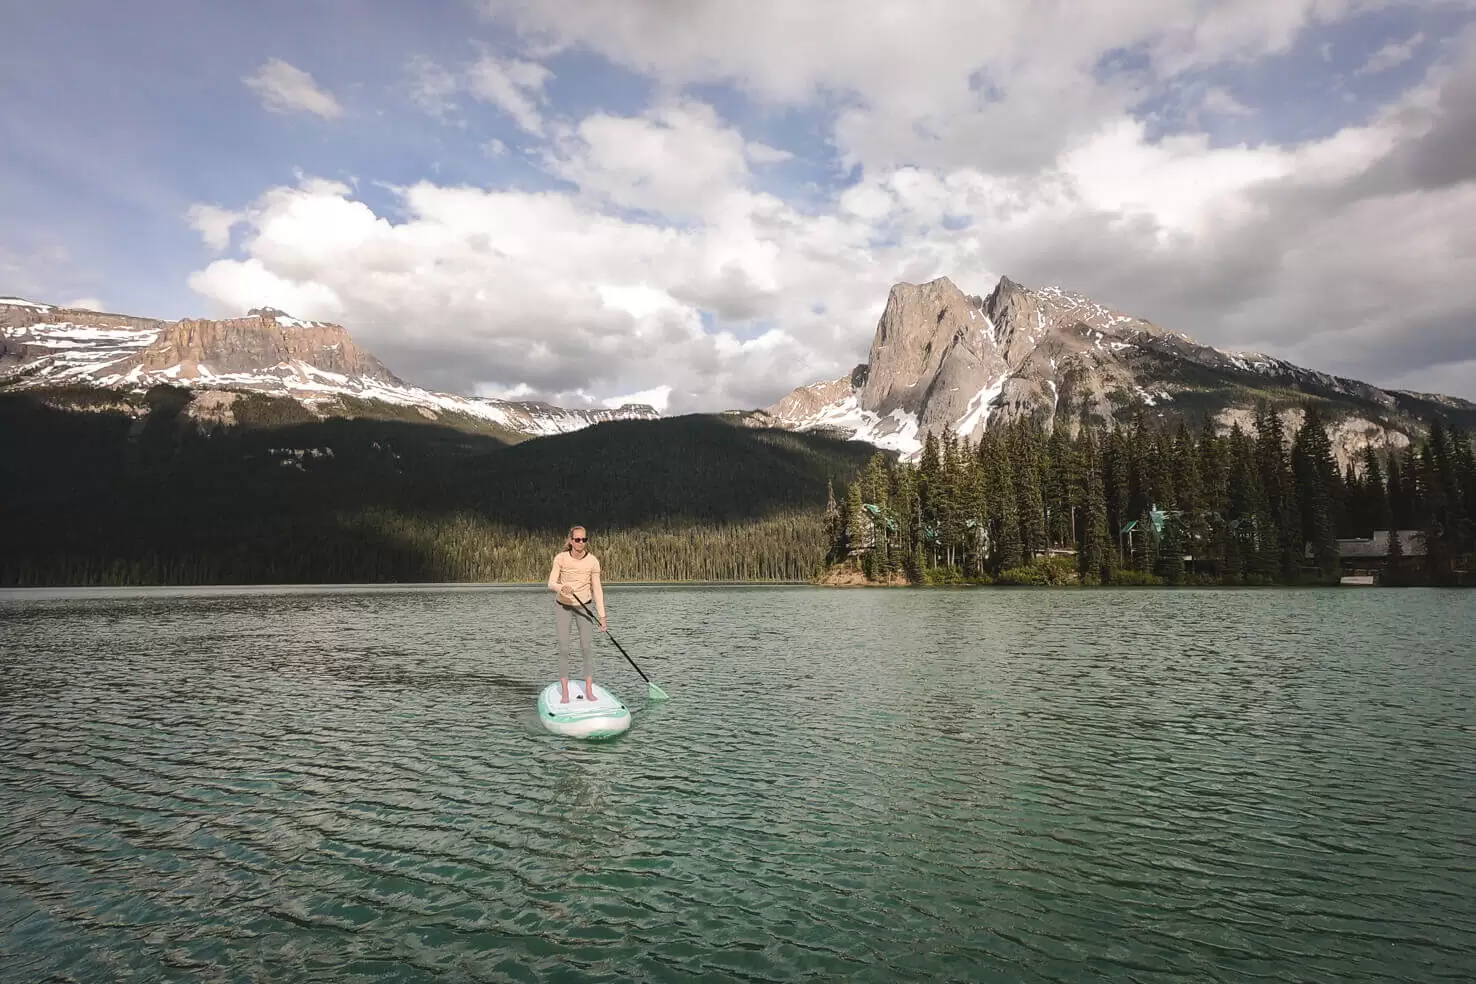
(378, 545)
(1147, 505)
(103, 498)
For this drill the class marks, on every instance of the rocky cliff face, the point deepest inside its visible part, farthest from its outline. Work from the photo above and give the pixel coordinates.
(266, 338)
(314, 363)
(942, 360)
(931, 346)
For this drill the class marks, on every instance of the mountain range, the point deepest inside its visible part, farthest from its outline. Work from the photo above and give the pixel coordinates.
(945, 360)
(940, 360)
(314, 364)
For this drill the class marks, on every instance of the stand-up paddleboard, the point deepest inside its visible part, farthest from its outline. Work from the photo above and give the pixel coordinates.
(602, 717)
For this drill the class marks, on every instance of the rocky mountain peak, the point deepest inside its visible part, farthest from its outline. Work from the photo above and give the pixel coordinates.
(945, 361)
(240, 345)
(317, 364)
(930, 337)
(282, 318)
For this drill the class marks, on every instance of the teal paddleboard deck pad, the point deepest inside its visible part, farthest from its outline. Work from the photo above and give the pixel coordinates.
(599, 714)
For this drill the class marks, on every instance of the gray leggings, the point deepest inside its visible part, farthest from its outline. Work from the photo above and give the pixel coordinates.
(565, 616)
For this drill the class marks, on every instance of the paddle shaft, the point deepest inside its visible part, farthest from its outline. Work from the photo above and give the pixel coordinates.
(614, 640)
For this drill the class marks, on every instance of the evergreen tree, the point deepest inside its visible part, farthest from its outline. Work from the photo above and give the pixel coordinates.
(1445, 523)
(1316, 480)
(1399, 495)
(1248, 516)
(1145, 546)
(1092, 559)
(1062, 488)
(1282, 534)
(930, 467)
(1117, 476)
(1465, 468)
(1159, 471)
(1170, 563)
(1004, 504)
(1375, 496)
(1030, 504)
(1188, 487)
(1139, 473)
(858, 523)
(974, 508)
(834, 528)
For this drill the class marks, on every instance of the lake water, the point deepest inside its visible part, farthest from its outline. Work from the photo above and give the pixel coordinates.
(1049, 785)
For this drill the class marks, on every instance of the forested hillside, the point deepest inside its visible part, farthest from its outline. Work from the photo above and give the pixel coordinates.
(1144, 504)
(105, 488)
(101, 496)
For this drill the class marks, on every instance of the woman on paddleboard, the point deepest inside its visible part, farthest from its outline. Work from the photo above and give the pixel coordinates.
(575, 578)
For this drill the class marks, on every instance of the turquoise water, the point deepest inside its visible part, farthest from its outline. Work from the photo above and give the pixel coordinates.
(352, 785)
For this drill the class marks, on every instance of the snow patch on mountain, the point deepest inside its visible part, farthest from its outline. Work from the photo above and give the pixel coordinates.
(896, 431)
(117, 356)
(976, 417)
(955, 362)
(20, 302)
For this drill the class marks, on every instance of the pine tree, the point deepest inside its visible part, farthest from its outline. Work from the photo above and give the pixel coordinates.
(1465, 466)
(1278, 485)
(1399, 496)
(1062, 484)
(1117, 479)
(913, 566)
(1188, 487)
(1375, 496)
(1139, 473)
(1249, 515)
(1159, 462)
(1316, 479)
(1092, 559)
(858, 523)
(1030, 505)
(1170, 563)
(834, 528)
(1354, 503)
(1004, 502)
(1445, 523)
(974, 508)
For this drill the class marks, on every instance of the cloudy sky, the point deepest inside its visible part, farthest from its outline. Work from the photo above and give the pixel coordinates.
(703, 204)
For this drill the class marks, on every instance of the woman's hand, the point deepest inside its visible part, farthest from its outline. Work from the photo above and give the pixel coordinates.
(566, 597)
(603, 627)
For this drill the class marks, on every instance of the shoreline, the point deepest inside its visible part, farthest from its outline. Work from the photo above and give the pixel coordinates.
(43, 592)
(292, 586)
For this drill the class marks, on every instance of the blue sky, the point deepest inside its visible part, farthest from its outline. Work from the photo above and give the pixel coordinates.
(714, 201)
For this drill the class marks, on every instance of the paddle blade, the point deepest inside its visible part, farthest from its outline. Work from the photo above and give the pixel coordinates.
(654, 692)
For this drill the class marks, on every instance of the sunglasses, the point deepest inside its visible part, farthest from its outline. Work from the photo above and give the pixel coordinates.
(579, 539)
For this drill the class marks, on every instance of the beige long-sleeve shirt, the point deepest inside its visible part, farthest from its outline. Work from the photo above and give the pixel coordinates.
(581, 575)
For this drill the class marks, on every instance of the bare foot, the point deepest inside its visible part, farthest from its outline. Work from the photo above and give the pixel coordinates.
(589, 690)
(566, 691)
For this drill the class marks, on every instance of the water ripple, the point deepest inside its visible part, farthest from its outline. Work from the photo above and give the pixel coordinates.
(352, 785)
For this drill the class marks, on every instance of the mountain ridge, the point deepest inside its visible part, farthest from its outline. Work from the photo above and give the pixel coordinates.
(315, 364)
(942, 360)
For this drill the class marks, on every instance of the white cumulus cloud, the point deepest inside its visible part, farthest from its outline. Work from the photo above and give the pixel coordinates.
(214, 224)
(669, 267)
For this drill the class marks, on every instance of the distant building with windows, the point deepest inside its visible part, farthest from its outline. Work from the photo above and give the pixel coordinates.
(1357, 550)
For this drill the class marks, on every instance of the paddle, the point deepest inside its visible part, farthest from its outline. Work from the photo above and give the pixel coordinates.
(653, 692)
